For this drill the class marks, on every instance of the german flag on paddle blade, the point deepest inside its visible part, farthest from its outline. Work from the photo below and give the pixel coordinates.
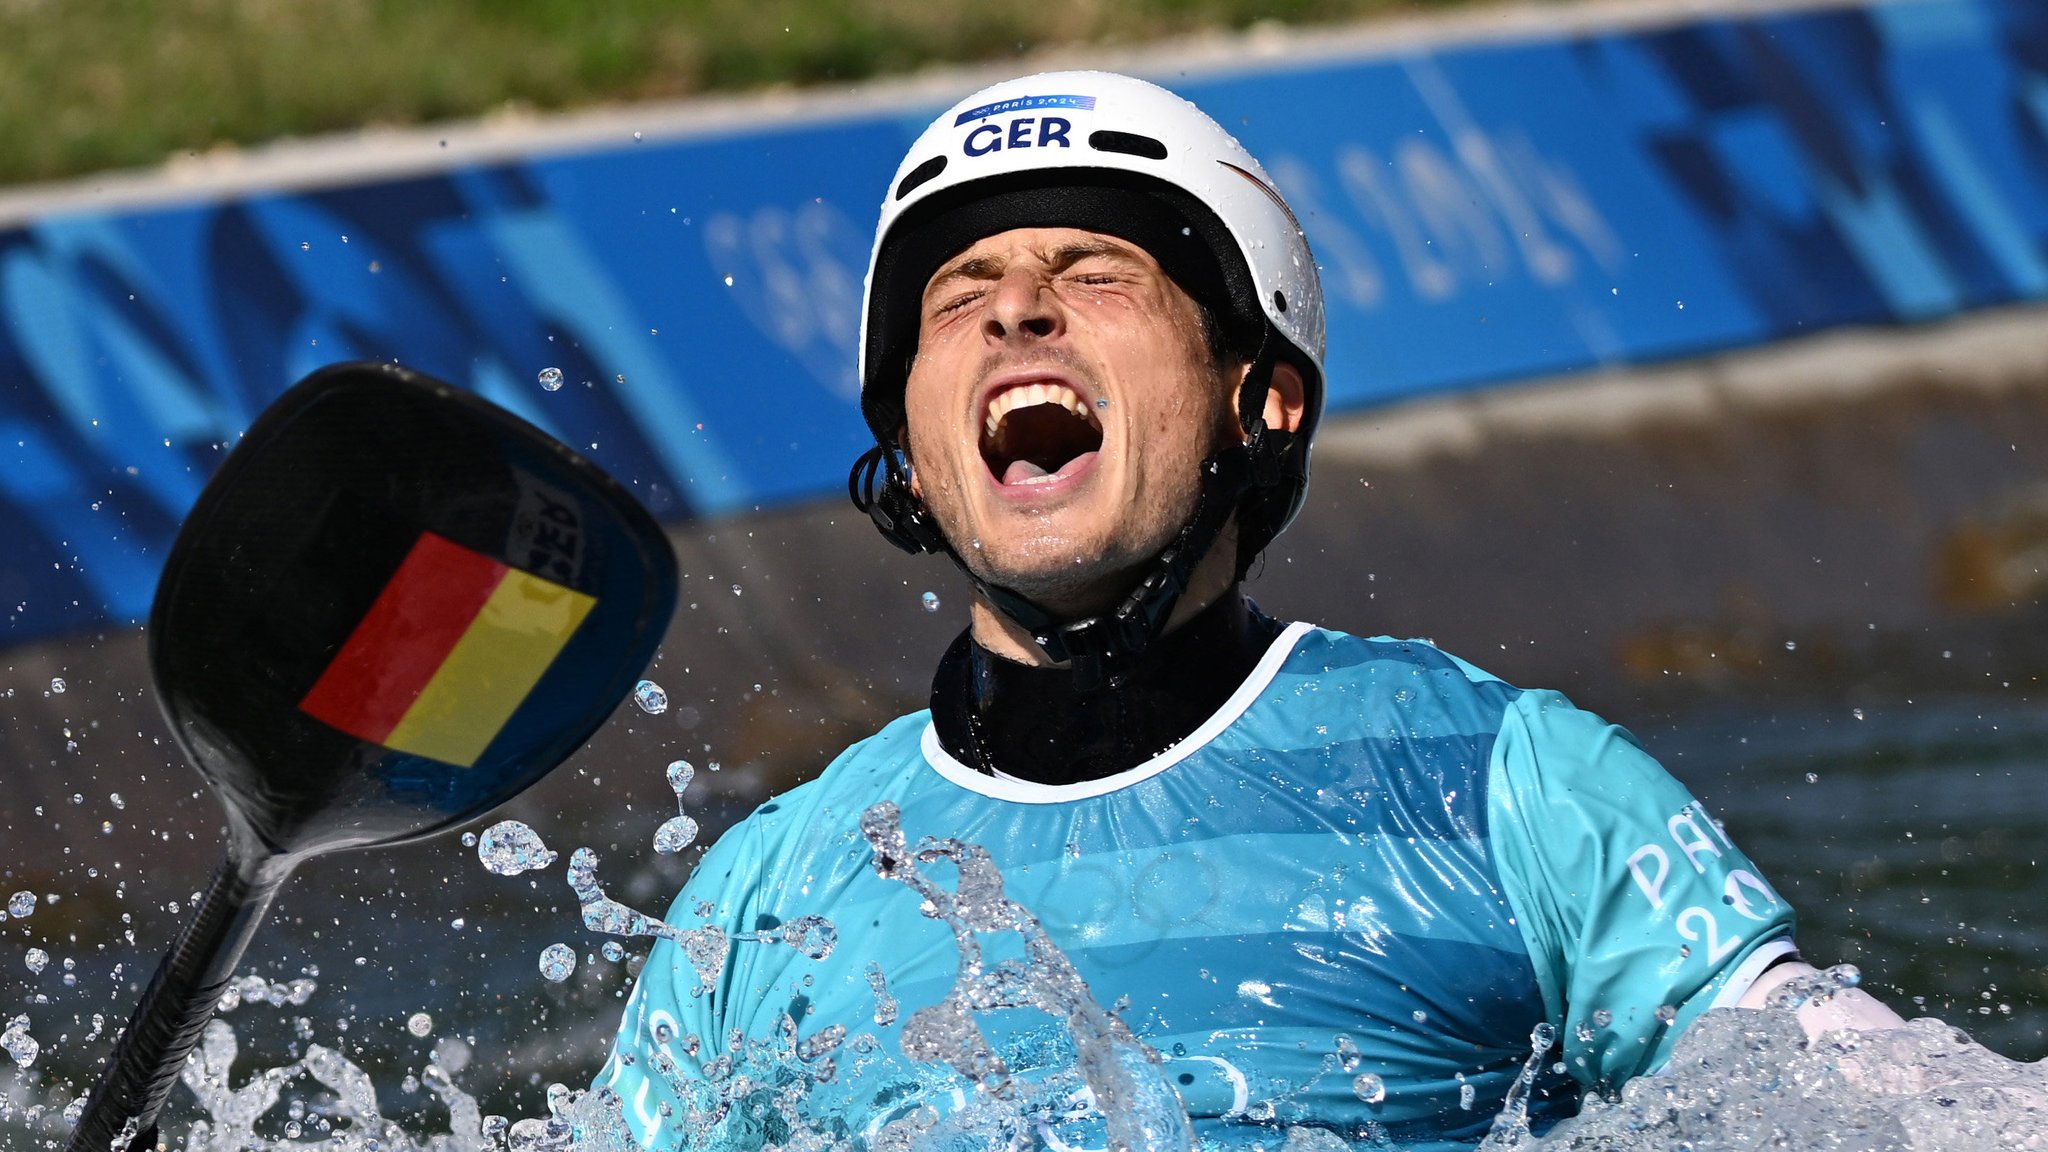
(446, 654)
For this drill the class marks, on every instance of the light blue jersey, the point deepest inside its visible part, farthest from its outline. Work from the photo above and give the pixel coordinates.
(1370, 840)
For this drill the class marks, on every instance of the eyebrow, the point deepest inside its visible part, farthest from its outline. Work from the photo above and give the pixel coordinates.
(1060, 258)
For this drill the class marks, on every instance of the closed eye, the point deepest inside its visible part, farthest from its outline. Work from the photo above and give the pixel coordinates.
(955, 303)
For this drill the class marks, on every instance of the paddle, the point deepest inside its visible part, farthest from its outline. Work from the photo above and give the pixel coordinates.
(394, 608)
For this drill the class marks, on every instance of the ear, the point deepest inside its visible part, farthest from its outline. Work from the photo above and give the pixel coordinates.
(1286, 398)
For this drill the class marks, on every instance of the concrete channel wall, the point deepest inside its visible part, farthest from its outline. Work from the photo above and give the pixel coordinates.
(1491, 199)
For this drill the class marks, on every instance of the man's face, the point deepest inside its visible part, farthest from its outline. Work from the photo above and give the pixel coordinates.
(1060, 405)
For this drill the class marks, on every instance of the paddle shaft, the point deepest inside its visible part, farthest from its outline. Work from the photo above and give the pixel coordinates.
(181, 998)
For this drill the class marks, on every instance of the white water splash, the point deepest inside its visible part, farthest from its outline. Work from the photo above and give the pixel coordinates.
(1737, 1080)
(1744, 1080)
(1138, 1108)
(351, 1121)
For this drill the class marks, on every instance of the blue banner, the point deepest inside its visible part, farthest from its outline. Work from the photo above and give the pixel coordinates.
(1482, 212)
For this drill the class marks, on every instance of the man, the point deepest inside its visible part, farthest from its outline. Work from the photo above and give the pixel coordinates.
(1329, 884)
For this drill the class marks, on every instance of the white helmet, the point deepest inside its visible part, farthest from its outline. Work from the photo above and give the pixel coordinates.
(1111, 154)
(1115, 155)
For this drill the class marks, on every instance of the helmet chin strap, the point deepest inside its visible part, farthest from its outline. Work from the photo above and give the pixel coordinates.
(1103, 649)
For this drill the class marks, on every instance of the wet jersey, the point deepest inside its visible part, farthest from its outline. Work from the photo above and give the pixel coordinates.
(1373, 861)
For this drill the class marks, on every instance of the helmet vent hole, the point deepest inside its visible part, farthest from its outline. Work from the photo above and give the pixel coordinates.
(1280, 300)
(920, 175)
(1128, 143)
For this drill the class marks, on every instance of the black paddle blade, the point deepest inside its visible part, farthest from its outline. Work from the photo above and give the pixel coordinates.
(394, 607)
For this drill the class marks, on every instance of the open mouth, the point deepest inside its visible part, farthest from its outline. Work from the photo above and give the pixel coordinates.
(1034, 432)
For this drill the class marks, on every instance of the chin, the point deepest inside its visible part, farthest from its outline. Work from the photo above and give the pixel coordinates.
(1044, 571)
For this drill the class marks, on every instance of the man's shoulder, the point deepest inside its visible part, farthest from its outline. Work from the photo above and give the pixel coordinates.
(1397, 665)
(1315, 640)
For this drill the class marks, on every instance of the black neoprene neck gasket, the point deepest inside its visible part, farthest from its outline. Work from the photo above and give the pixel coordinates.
(996, 715)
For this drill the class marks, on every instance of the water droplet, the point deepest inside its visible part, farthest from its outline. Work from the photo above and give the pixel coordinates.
(551, 379)
(1466, 1094)
(649, 696)
(18, 1043)
(37, 960)
(1370, 1088)
(675, 834)
(420, 1024)
(1348, 1054)
(885, 1005)
(1602, 1018)
(1666, 1013)
(1421, 1017)
(557, 961)
(1856, 712)
(509, 847)
(814, 936)
(1791, 645)
(613, 951)
(735, 589)
(728, 281)
(119, 804)
(930, 600)
(469, 839)
(680, 773)
(21, 904)
(1813, 777)
(57, 685)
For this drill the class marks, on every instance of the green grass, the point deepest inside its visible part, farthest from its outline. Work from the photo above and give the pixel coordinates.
(95, 84)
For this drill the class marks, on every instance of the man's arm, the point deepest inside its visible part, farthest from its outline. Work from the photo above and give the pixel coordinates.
(1848, 1008)
(1639, 912)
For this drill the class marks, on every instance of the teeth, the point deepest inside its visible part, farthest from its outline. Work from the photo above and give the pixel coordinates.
(1029, 394)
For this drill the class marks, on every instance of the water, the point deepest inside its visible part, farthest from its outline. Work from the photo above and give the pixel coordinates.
(557, 962)
(649, 696)
(1135, 1106)
(1915, 852)
(1908, 841)
(1737, 1079)
(510, 847)
(1748, 1080)
(679, 831)
(18, 1044)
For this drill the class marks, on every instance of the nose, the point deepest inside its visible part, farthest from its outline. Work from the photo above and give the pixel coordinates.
(1022, 309)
